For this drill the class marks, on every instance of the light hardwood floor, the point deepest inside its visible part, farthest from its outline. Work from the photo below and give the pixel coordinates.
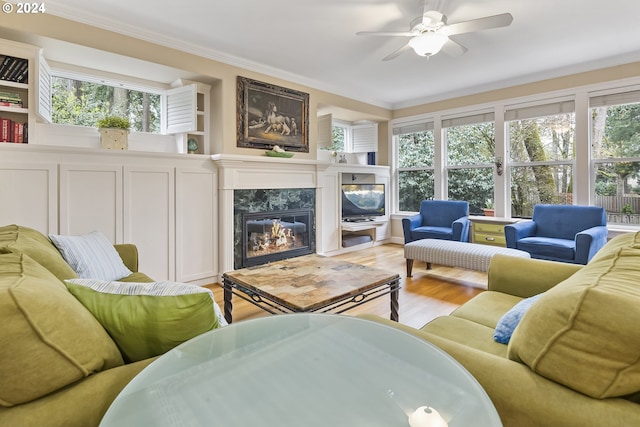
(426, 295)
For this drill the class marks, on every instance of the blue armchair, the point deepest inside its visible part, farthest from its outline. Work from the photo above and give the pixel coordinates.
(564, 233)
(438, 219)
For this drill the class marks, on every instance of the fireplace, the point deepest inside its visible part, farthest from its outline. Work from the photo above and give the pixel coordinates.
(275, 235)
(273, 224)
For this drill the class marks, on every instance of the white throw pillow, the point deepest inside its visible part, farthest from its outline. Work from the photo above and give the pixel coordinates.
(92, 256)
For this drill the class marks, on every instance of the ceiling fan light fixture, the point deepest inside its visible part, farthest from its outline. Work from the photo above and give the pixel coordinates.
(428, 43)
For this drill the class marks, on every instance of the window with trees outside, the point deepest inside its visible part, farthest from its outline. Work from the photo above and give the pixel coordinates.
(541, 155)
(615, 151)
(415, 153)
(83, 103)
(338, 137)
(470, 144)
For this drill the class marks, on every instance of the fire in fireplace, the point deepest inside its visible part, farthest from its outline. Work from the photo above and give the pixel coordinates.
(275, 235)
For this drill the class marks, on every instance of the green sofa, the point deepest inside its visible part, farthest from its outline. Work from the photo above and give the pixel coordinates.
(58, 365)
(574, 357)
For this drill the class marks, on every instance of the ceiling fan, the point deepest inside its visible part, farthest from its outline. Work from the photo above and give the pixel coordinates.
(430, 32)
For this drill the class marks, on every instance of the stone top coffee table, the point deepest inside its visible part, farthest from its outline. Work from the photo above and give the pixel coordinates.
(310, 283)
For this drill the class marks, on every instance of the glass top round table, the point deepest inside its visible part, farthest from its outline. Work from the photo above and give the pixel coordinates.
(304, 370)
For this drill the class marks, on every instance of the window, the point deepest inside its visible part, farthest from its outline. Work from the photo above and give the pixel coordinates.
(541, 155)
(470, 144)
(82, 103)
(346, 137)
(415, 151)
(339, 137)
(615, 150)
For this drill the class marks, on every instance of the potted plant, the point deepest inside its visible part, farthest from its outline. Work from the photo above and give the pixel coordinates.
(488, 211)
(114, 132)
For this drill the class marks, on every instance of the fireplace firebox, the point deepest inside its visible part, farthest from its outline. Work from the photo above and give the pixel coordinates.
(275, 235)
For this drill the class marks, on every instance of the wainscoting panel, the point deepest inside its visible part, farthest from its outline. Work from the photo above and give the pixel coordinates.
(29, 194)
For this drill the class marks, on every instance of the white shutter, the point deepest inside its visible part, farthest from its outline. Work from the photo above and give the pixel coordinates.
(43, 89)
(181, 109)
(365, 138)
(325, 136)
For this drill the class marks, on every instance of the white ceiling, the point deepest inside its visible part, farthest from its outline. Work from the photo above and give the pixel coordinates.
(313, 42)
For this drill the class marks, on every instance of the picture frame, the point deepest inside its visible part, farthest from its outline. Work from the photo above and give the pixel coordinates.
(270, 115)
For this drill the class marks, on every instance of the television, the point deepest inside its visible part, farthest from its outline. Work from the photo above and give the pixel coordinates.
(361, 202)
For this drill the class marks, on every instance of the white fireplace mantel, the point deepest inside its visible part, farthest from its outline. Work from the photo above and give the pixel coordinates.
(238, 172)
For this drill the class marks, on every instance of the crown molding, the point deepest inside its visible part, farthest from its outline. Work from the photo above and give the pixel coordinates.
(162, 39)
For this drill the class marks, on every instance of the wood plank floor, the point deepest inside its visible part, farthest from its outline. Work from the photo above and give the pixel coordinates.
(426, 295)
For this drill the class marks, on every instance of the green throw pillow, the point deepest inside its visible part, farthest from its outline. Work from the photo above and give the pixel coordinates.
(583, 333)
(38, 247)
(48, 340)
(147, 319)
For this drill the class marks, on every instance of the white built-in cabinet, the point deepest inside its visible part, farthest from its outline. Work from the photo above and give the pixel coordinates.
(35, 98)
(332, 230)
(188, 116)
(165, 204)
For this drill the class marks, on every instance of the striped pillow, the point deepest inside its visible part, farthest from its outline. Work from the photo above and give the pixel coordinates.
(91, 256)
(148, 319)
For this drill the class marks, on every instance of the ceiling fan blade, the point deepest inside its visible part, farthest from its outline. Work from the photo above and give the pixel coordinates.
(385, 33)
(396, 53)
(453, 48)
(486, 23)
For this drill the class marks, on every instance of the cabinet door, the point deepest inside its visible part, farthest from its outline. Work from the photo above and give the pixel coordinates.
(91, 199)
(196, 225)
(149, 206)
(29, 195)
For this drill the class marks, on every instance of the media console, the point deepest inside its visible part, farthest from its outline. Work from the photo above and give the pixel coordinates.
(356, 233)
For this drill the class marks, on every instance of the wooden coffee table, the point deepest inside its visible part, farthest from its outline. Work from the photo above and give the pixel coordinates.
(310, 283)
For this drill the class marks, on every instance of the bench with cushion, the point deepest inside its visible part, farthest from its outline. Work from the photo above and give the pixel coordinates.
(471, 256)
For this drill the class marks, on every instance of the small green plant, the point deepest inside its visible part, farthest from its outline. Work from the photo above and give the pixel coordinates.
(627, 209)
(114, 122)
(489, 204)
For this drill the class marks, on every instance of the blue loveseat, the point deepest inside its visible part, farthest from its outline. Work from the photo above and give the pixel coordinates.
(566, 233)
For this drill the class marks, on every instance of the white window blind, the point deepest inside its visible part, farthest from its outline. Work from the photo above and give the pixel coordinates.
(543, 110)
(468, 120)
(412, 128)
(632, 97)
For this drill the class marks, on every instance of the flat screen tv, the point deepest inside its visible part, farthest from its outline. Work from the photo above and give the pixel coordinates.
(362, 201)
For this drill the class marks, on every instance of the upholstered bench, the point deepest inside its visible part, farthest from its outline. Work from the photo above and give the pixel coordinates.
(451, 253)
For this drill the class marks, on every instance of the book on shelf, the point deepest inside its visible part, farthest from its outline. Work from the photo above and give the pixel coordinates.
(13, 69)
(10, 96)
(10, 104)
(5, 130)
(11, 131)
(20, 68)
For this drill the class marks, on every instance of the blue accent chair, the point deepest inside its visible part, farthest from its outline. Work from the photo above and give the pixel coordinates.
(565, 233)
(438, 219)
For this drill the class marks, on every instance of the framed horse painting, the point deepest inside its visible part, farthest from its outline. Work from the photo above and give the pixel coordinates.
(270, 115)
